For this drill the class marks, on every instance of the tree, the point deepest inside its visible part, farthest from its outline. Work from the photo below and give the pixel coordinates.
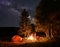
(45, 8)
(24, 27)
(47, 12)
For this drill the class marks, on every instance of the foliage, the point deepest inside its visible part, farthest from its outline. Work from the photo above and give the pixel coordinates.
(45, 9)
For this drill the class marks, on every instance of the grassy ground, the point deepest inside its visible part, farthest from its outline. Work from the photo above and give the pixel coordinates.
(36, 44)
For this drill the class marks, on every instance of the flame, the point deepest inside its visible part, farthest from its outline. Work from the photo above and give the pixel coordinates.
(31, 37)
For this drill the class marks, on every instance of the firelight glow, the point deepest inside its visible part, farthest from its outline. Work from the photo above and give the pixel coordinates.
(32, 38)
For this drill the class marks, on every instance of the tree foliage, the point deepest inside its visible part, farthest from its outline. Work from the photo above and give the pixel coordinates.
(47, 9)
(24, 27)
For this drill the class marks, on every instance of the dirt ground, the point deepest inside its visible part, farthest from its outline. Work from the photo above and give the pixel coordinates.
(35, 44)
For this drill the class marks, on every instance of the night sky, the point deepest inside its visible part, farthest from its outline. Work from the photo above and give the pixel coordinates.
(10, 11)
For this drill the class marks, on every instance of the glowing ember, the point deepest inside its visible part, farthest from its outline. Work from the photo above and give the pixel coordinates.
(16, 38)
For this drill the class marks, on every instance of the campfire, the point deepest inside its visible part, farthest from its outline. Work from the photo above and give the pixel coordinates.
(32, 38)
(29, 39)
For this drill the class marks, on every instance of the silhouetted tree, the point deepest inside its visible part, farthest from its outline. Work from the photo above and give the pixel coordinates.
(45, 8)
(48, 12)
(24, 27)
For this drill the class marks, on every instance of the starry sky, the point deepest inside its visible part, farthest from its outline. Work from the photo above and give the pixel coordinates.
(10, 11)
